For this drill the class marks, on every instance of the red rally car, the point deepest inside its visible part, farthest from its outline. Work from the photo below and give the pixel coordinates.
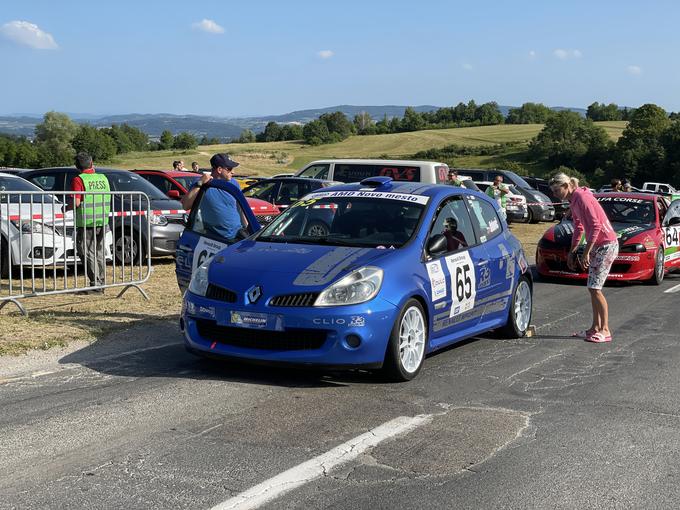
(648, 230)
(176, 183)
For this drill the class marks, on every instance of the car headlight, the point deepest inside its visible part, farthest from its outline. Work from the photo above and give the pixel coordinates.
(27, 227)
(199, 280)
(158, 219)
(357, 287)
(633, 248)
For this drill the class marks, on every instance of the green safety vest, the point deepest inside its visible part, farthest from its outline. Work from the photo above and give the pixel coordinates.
(94, 209)
(493, 194)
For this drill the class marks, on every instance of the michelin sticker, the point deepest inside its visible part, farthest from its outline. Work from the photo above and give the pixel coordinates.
(463, 283)
(437, 280)
(205, 250)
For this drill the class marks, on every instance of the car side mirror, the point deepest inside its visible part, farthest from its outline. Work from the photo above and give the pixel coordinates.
(174, 194)
(675, 220)
(437, 245)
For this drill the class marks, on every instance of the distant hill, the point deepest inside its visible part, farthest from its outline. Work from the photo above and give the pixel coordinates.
(154, 124)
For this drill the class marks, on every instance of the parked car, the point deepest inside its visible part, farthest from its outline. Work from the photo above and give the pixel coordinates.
(176, 184)
(406, 269)
(648, 233)
(540, 206)
(165, 228)
(355, 170)
(516, 207)
(284, 191)
(38, 242)
(543, 186)
(658, 187)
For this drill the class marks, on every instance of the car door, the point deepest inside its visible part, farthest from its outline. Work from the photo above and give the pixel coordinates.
(500, 259)
(198, 243)
(455, 274)
(671, 234)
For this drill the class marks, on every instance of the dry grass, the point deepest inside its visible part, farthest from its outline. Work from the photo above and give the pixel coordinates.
(60, 319)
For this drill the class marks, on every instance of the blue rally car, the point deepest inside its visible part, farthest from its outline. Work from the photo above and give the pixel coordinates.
(401, 270)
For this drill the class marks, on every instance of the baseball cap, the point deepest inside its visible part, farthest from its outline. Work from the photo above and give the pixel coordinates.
(222, 160)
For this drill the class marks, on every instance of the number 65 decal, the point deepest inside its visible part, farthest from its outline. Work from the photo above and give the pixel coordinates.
(463, 283)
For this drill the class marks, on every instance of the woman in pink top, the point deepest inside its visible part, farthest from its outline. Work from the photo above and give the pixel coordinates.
(601, 249)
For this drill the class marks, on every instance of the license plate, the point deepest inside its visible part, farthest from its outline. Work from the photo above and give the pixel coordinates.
(254, 320)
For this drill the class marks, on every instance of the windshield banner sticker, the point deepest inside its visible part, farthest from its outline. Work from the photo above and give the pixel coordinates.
(414, 199)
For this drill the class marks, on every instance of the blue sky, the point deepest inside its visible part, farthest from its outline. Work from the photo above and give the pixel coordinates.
(230, 58)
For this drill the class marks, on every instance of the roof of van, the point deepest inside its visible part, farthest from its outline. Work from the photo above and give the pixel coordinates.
(376, 162)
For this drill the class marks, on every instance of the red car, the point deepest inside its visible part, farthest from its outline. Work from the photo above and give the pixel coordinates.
(175, 184)
(648, 231)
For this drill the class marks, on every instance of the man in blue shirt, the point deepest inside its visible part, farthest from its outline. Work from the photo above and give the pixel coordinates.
(219, 212)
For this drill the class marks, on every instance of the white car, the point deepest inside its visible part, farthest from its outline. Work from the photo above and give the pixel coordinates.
(34, 228)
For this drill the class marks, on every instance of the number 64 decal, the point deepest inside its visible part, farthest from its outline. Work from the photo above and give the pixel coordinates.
(672, 236)
(463, 283)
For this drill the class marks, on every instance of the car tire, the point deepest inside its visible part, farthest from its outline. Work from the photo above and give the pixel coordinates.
(134, 253)
(317, 229)
(520, 310)
(531, 218)
(659, 269)
(408, 343)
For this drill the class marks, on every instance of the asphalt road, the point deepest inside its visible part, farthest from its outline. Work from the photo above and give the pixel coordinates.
(132, 421)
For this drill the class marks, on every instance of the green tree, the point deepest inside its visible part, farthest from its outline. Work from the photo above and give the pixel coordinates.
(316, 132)
(95, 142)
(291, 132)
(670, 141)
(53, 137)
(412, 120)
(247, 136)
(272, 132)
(363, 123)
(166, 140)
(489, 114)
(184, 141)
(529, 113)
(338, 123)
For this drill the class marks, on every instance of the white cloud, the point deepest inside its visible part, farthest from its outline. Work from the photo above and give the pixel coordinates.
(634, 70)
(208, 25)
(563, 54)
(28, 34)
(467, 67)
(532, 54)
(325, 54)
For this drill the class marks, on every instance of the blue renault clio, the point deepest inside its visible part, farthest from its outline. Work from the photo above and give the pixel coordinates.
(398, 271)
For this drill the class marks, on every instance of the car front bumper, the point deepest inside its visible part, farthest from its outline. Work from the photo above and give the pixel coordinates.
(315, 336)
(626, 266)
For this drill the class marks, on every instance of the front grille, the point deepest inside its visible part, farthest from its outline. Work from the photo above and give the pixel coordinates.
(557, 265)
(288, 340)
(620, 268)
(220, 294)
(175, 219)
(305, 299)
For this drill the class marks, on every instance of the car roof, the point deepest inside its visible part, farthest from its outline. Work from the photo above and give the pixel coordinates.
(376, 161)
(293, 179)
(5, 174)
(74, 169)
(170, 173)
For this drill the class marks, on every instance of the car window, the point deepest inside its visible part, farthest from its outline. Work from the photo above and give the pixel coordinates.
(262, 190)
(662, 209)
(291, 192)
(316, 171)
(345, 172)
(159, 181)
(628, 210)
(454, 223)
(346, 221)
(9, 184)
(187, 181)
(128, 181)
(441, 174)
(484, 218)
(211, 214)
(49, 182)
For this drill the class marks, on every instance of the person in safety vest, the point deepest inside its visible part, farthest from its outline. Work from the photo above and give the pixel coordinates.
(497, 191)
(91, 217)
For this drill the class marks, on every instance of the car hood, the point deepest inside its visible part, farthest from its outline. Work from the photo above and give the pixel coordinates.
(561, 233)
(261, 206)
(306, 265)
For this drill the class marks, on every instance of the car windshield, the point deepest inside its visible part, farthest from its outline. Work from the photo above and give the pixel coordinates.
(9, 184)
(187, 181)
(347, 221)
(470, 184)
(128, 181)
(628, 210)
(518, 181)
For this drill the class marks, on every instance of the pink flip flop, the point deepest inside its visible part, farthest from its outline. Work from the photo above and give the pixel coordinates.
(599, 338)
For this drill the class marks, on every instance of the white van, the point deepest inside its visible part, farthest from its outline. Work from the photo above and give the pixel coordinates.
(356, 170)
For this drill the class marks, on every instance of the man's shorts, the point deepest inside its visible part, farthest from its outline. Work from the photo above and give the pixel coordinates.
(601, 260)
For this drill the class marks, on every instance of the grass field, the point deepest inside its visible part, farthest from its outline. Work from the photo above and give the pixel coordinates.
(61, 319)
(278, 157)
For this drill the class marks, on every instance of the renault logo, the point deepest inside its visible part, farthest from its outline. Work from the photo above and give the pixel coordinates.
(254, 294)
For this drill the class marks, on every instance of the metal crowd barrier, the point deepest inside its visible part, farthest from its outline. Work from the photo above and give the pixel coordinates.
(41, 249)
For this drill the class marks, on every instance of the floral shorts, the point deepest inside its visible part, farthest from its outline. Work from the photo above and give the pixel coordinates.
(601, 260)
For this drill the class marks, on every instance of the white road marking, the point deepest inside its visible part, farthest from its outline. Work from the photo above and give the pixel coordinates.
(321, 465)
(676, 288)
